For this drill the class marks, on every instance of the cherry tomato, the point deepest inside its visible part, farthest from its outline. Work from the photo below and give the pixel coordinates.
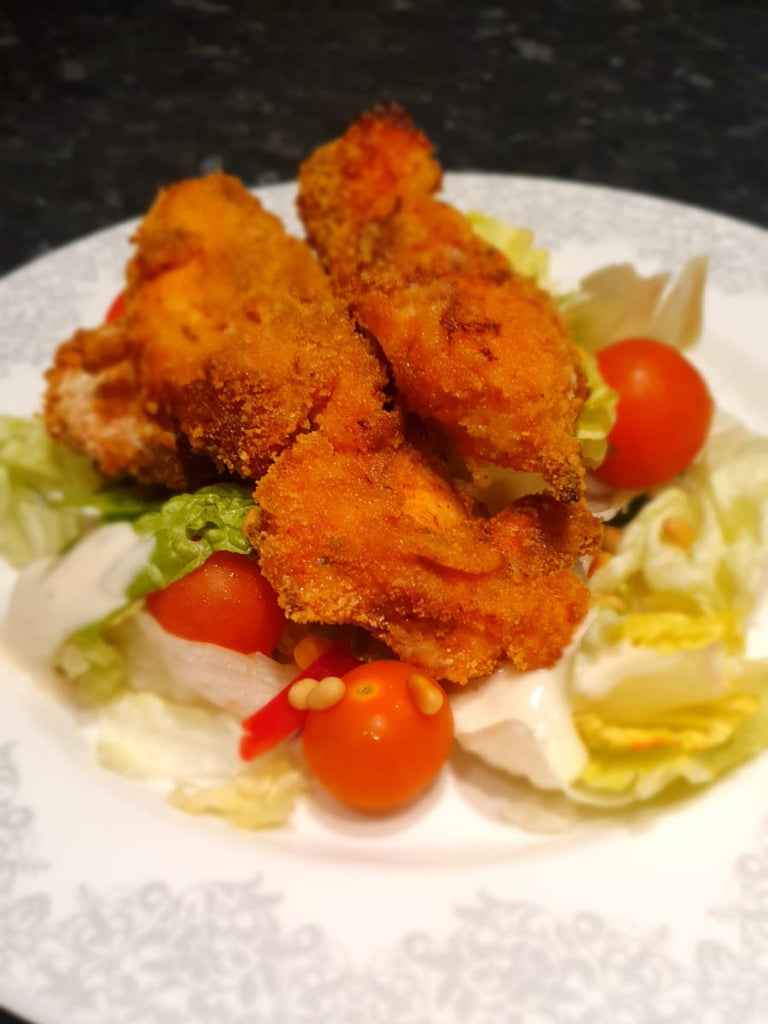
(662, 416)
(226, 601)
(375, 749)
(116, 310)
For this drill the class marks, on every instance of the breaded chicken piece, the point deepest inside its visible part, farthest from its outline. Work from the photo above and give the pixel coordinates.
(95, 404)
(234, 354)
(382, 540)
(472, 345)
(232, 344)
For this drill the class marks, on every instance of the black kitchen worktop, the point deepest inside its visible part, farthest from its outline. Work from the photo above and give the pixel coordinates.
(104, 102)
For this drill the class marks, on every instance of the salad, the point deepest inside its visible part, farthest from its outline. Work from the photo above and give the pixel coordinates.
(658, 688)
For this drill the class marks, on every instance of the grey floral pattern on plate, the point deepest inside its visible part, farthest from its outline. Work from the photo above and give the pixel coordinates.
(216, 953)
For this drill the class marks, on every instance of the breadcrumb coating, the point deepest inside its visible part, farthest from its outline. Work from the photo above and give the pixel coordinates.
(234, 355)
(472, 345)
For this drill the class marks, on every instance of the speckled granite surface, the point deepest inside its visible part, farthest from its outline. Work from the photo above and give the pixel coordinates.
(104, 102)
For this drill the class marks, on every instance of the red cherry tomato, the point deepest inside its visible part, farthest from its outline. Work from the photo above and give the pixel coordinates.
(116, 310)
(662, 416)
(226, 601)
(375, 749)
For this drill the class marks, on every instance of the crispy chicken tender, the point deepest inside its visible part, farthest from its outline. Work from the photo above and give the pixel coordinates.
(95, 403)
(382, 540)
(472, 345)
(232, 344)
(234, 354)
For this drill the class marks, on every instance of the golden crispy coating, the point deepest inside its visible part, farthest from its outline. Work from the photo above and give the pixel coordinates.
(472, 345)
(231, 339)
(234, 354)
(95, 404)
(382, 541)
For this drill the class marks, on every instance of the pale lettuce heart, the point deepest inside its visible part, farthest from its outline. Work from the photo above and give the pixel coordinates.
(194, 750)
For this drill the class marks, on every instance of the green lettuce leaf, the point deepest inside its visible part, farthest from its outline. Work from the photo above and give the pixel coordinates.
(188, 528)
(93, 663)
(50, 495)
(516, 243)
(598, 413)
(44, 491)
(167, 543)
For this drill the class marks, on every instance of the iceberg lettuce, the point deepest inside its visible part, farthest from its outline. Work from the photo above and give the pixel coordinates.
(195, 750)
(516, 243)
(44, 491)
(617, 302)
(111, 568)
(661, 686)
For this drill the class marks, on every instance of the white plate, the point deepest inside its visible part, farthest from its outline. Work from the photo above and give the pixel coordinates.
(117, 909)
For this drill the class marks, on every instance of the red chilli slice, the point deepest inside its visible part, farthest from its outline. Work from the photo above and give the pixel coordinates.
(278, 719)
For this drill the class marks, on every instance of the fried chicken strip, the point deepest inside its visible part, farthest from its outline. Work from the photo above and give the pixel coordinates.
(231, 345)
(382, 540)
(234, 351)
(472, 345)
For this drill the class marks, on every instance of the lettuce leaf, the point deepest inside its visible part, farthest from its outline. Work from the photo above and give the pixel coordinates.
(195, 749)
(44, 491)
(598, 414)
(662, 686)
(185, 530)
(85, 639)
(723, 498)
(617, 302)
(188, 528)
(50, 495)
(515, 243)
(93, 663)
(693, 744)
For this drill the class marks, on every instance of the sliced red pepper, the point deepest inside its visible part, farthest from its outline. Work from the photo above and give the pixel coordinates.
(278, 719)
(116, 310)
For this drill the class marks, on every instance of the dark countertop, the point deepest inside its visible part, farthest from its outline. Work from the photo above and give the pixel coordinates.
(106, 101)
